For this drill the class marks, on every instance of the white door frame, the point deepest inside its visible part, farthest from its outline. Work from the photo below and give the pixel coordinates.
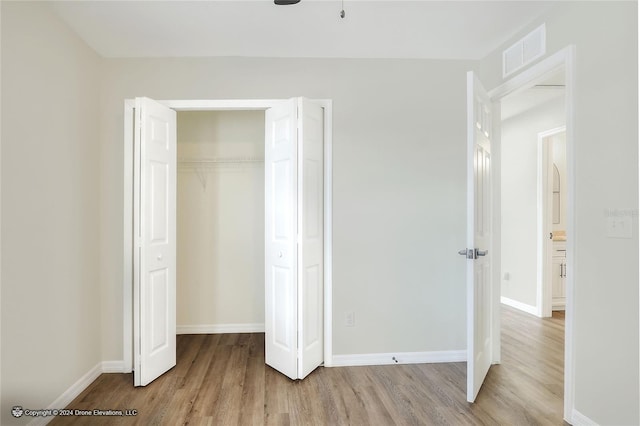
(564, 58)
(543, 207)
(222, 105)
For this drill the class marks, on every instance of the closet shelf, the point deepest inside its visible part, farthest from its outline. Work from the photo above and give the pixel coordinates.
(199, 162)
(203, 166)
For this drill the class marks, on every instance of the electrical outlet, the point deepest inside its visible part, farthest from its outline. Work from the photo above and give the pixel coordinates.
(350, 319)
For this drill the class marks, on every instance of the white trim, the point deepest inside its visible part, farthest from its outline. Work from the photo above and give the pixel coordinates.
(113, 367)
(572, 236)
(224, 105)
(327, 104)
(70, 394)
(543, 218)
(220, 328)
(221, 105)
(127, 295)
(496, 240)
(1, 197)
(564, 58)
(400, 358)
(80, 386)
(524, 307)
(579, 419)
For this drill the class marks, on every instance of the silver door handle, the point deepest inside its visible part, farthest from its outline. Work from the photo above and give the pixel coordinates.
(466, 253)
(481, 252)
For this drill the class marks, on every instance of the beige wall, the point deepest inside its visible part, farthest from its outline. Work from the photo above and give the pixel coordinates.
(606, 166)
(399, 177)
(50, 208)
(398, 185)
(220, 225)
(519, 181)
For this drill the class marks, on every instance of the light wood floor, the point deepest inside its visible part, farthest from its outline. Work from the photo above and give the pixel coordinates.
(222, 380)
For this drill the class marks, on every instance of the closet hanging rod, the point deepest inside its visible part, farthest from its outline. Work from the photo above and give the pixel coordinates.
(223, 160)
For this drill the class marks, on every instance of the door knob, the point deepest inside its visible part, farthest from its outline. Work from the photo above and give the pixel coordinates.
(466, 253)
(159, 256)
(280, 254)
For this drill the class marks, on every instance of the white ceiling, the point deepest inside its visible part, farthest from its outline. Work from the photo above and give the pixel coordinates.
(312, 28)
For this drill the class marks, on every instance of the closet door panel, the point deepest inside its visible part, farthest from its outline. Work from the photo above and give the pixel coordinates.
(155, 235)
(310, 222)
(281, 291)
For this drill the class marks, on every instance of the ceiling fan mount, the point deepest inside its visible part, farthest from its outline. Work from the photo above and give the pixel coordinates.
(285, 2)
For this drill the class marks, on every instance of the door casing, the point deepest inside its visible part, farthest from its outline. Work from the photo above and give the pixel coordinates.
(221, 105)
(564, 58)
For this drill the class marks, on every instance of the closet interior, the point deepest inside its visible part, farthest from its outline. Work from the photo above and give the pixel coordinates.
(220, 221)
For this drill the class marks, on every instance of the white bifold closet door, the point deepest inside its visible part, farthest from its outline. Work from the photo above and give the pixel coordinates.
(154, 281)
(294, 202)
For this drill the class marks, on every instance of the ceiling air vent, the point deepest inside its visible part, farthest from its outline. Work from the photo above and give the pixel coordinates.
(524, 51)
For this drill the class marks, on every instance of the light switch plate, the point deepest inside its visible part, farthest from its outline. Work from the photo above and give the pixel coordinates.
(350, 319)
(618, 223)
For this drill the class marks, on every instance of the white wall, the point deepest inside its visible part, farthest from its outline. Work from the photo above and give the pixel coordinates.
(399, 155)
(50, 208)
(606, 172)
(519, 180)
(220, 223)
(398, 185)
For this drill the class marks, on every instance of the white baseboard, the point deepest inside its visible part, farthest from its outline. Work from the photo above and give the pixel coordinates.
(579, 419)
(399, 358)
(519, 305)
(220, 328)
(70, 394)
(113, 367)
(78, 387)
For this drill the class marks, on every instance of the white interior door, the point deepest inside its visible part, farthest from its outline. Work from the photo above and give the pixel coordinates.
(155, 240)
(294, 237)
(281, 228)
(310, 223)
(479, 307)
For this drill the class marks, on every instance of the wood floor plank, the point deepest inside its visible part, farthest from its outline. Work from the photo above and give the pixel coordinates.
(253, 390)
(223, 380)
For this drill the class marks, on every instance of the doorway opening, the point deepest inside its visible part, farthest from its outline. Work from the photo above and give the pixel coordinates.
(533, 187)
(220, 222)
(560, 62)
(259, 106)
(552, 221)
